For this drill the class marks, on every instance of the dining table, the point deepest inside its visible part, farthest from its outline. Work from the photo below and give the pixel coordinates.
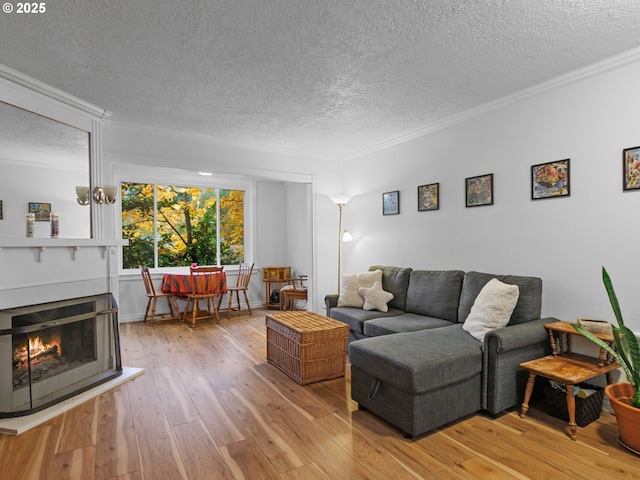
(179, 285)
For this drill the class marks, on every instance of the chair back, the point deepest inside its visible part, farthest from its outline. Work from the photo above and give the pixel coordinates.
(206, 281)
(244, 275)
(300, 282)
(148, 283)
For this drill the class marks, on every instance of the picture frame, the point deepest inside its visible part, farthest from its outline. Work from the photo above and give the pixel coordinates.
(1, 214)
(478, 190)
(41, 210)
(391, 203)
(551, 179)
(428, 197)
(631, 169)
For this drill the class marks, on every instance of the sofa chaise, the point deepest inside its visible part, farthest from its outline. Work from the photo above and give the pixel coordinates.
(416, 365)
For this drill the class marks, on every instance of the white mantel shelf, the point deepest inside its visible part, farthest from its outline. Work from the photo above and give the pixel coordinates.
(41, 244)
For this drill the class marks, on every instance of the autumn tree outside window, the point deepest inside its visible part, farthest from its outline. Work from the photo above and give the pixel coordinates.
(173, 226)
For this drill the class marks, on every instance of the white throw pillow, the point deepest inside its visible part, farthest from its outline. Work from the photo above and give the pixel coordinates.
(375, 298)
(492, 308)
(351, 284)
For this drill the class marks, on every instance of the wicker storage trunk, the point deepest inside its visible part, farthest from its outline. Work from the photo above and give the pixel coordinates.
(306, 346)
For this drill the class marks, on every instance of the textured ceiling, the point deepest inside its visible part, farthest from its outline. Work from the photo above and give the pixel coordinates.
(329, 77)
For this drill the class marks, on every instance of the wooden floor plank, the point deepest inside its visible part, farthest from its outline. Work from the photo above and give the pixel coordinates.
(247, 461)
(28, 456)
(305, 472)
(71, 464)
(200, 455)
(222, 425)
(371, 455)
(116, 446)
(159, 456)
(267, 435)
(176, 402)
(79, 427)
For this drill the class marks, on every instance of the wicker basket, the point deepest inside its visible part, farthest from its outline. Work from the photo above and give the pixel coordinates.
(306, 346)
(587, 409)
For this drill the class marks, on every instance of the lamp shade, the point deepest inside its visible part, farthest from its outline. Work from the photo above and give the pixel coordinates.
(346, 236)
(340, 199)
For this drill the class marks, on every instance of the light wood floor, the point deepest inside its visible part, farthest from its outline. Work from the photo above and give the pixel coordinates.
(209, 406)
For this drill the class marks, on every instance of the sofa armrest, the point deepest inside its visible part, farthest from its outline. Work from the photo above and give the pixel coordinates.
(331, 301)
(503, 380)
(514, 337)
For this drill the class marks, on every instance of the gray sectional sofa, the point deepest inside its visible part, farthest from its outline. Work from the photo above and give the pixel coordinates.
(416, 367)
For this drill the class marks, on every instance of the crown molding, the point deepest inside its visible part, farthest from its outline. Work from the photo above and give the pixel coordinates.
(609, 64)
(40, 165)
(48, 91)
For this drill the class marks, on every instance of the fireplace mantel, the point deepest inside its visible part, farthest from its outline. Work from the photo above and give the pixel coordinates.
(41, 244)
(39, 270)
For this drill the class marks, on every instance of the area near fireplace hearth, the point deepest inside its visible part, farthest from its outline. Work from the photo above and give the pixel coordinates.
(59, 336)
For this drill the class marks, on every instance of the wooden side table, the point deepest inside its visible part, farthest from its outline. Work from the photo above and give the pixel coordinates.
(566, 367)
(277, 276)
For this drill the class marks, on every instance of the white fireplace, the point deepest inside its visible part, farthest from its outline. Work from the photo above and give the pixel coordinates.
(50, 352)
(51, 289)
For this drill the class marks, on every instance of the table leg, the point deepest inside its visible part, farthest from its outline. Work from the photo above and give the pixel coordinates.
(608, 377)
(571, 407)
(527, 394)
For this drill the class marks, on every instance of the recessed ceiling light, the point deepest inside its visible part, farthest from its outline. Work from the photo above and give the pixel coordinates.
(205, 174)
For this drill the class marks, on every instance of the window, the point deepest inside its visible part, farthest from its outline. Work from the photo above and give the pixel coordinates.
(172, 226)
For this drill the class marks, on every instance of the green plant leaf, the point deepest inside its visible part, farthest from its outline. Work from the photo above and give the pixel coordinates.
(613, 299)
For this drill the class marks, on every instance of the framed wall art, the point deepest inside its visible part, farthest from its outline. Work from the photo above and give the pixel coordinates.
(479, 190)
(550, 180)
(391, 203)
(631, 168)
(41, 210)
(428, 197)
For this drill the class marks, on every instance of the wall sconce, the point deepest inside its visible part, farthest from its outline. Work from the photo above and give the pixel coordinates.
(82, 195)
(105, 195)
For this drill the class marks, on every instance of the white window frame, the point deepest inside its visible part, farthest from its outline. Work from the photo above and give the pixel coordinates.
(157, 175)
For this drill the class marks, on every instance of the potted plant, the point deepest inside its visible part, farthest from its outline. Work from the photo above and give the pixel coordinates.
(624, 396)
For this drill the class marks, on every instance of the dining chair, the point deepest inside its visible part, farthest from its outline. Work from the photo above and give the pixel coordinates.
(204, 284)
(295, 291)
(242, 285)
(152, 300)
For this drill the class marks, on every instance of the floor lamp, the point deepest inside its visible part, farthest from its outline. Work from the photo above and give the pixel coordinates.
(340, 201)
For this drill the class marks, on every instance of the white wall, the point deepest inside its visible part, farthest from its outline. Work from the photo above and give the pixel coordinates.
(565, 241)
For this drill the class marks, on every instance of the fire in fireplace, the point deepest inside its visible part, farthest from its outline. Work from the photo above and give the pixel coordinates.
(52, 351)
(56, 350)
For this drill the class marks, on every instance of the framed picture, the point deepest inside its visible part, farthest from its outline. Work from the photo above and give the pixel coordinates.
(479, 190)
(42, 211)
(631, 168)
(549, 180)
(1, 217)
(428, 198)
(391, 203)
